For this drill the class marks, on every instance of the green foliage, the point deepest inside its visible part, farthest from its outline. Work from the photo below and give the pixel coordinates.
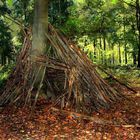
(6, 48)
(109, 25)
(23, 11)
(114, 1)
(10, 3)
(4, 74)
(127, 74)
(58, 12)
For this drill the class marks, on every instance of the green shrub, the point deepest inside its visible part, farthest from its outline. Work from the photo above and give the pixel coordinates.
(4, 74)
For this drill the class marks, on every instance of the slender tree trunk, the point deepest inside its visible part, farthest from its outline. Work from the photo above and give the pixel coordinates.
(109, 56)
(134, 58)
(139, 57)
(125, 47)
(113, 57)
(101, 51)
(3, 59)
(138, 27)
(9, 60)
(104, 42)
(120, 59)
(125, 54)
(95, 53)
(0, 60)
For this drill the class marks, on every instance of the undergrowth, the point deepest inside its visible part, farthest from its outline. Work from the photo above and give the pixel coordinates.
(127, 74)
(4, 73)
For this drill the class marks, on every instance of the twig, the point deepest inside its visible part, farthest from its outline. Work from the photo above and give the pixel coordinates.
(15, 21)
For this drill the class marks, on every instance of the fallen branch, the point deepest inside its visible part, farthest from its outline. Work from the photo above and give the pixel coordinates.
(129, 126)
(121, 83)
(100, 121)
(76, 115)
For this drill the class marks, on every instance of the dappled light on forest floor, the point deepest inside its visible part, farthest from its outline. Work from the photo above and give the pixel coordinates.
(43, 125)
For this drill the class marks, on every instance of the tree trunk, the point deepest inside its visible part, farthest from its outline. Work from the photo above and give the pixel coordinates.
(40, 28)
(95, 53)
(139, 57)
(101, 51)
(120, 59)
(109, 56)
(125, 54)
(3, 59)
(113, 55)
(138, 27)
(104, 42)
(125, 48)
(134, 58)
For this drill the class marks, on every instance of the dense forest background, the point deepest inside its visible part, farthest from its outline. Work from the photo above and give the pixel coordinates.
(108, 31)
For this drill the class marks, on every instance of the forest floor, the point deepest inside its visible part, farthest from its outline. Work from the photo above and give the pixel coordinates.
(17, 125)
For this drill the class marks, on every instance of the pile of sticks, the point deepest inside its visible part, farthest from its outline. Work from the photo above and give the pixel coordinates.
(69, 74)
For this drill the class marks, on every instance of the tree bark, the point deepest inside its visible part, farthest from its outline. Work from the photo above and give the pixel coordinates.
(3, 59)
(39, 40)
(134, 58)
(95, 53)
(101, 51)
(125, 54)
(120, 59)
(138, 27)
(113, 55)
(40, 28)
(125, 47)
(104, 42)
(139, 57)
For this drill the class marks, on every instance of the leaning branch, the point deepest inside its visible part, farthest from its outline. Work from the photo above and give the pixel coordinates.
(17, 22)
(121, 83)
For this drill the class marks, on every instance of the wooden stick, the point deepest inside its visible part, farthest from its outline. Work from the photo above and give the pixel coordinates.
(121, 83)
(82, 116)
(93, 119)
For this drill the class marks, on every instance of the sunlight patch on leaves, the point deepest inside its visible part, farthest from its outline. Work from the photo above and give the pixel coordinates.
(10, 3)
(114, 1)
(1, 3)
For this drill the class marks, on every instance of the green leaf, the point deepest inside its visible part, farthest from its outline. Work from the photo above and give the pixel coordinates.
(10, 3)
(114, 1)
